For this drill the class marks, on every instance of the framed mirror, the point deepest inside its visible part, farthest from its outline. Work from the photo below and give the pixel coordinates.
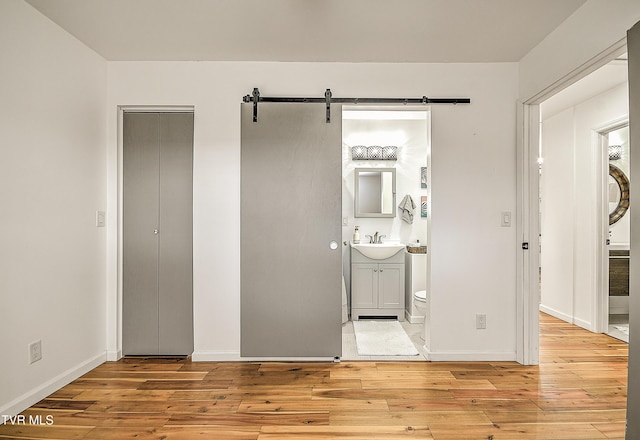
(618, 193)
(375, 192)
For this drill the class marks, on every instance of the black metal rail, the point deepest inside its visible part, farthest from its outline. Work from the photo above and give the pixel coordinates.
(329, 99)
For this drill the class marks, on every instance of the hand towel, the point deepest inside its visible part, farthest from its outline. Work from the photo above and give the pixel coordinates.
(406, 207)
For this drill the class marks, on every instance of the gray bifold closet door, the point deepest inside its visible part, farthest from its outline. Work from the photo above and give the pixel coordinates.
(157, 234)
(291, 189)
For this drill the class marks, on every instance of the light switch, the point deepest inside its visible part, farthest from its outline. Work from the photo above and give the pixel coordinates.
(100, 219)
(506, 219)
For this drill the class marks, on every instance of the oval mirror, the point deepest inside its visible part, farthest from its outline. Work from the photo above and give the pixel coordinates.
(618, 193)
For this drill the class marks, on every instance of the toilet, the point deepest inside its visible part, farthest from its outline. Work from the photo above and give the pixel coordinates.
(420, 302)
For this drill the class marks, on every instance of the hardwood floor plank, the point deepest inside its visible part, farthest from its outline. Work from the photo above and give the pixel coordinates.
(427, 384)
(419, 417)
(513, 431)
(250, 419)
(184, 385)
(316, 405)
(119, 394)
(612, 430)
(463, 405)
(387, 393)
(352, 432)
(176, 433)
(539, 416)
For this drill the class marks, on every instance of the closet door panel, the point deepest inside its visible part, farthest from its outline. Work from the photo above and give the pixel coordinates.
(176, 234)
(140, 243)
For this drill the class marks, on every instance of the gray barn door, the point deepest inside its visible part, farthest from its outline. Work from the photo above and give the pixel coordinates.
(291, 207)
(157, 234)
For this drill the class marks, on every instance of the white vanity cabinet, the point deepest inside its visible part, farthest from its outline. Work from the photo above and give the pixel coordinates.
(377, 286)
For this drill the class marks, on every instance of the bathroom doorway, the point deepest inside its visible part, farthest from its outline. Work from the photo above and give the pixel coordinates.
(407, 131)
(616, 302)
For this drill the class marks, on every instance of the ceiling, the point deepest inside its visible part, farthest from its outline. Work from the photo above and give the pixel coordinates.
(310, 30)
(605, 78)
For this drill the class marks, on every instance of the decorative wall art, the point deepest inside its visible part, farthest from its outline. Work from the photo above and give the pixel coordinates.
(423, 177)
(423, 206)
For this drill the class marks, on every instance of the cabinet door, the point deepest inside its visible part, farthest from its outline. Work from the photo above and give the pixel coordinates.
(391, 286)
(364, 286)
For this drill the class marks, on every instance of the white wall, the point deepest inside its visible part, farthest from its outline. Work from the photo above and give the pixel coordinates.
(570, 191)
(52, 175)
(557, 215)
(473, 174)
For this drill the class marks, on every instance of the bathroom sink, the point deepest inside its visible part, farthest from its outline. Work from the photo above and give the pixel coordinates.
(378, 251)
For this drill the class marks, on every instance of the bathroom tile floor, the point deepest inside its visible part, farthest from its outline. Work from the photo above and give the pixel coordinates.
(350, 351)
(615, 323)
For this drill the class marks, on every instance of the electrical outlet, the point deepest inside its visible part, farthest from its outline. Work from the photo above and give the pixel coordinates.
(35, 351)
(481, 321)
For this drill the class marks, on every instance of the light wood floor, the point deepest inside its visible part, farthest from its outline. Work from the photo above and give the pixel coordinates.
(577, 392)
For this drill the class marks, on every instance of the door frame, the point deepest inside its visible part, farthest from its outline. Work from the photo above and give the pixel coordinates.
(122, 109)
(528, 208)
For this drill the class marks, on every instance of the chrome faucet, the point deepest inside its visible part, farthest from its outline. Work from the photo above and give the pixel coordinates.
(376, 238)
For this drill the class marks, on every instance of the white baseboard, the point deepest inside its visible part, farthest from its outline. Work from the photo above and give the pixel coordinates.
(216, 356)
(584, 324)
(619, 310)
(234, 356)
(35, 395)
(114, 355)
(556, 313)
(618, 305)
(445, 356)
(567, 318)
(413, 319)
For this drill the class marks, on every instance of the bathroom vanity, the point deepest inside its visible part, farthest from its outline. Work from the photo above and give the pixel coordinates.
(377, 280)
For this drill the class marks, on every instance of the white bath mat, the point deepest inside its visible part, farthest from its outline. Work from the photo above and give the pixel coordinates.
(623, 328)
(382, 338)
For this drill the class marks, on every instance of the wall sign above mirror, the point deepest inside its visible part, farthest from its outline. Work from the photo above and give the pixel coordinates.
(375, 192)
